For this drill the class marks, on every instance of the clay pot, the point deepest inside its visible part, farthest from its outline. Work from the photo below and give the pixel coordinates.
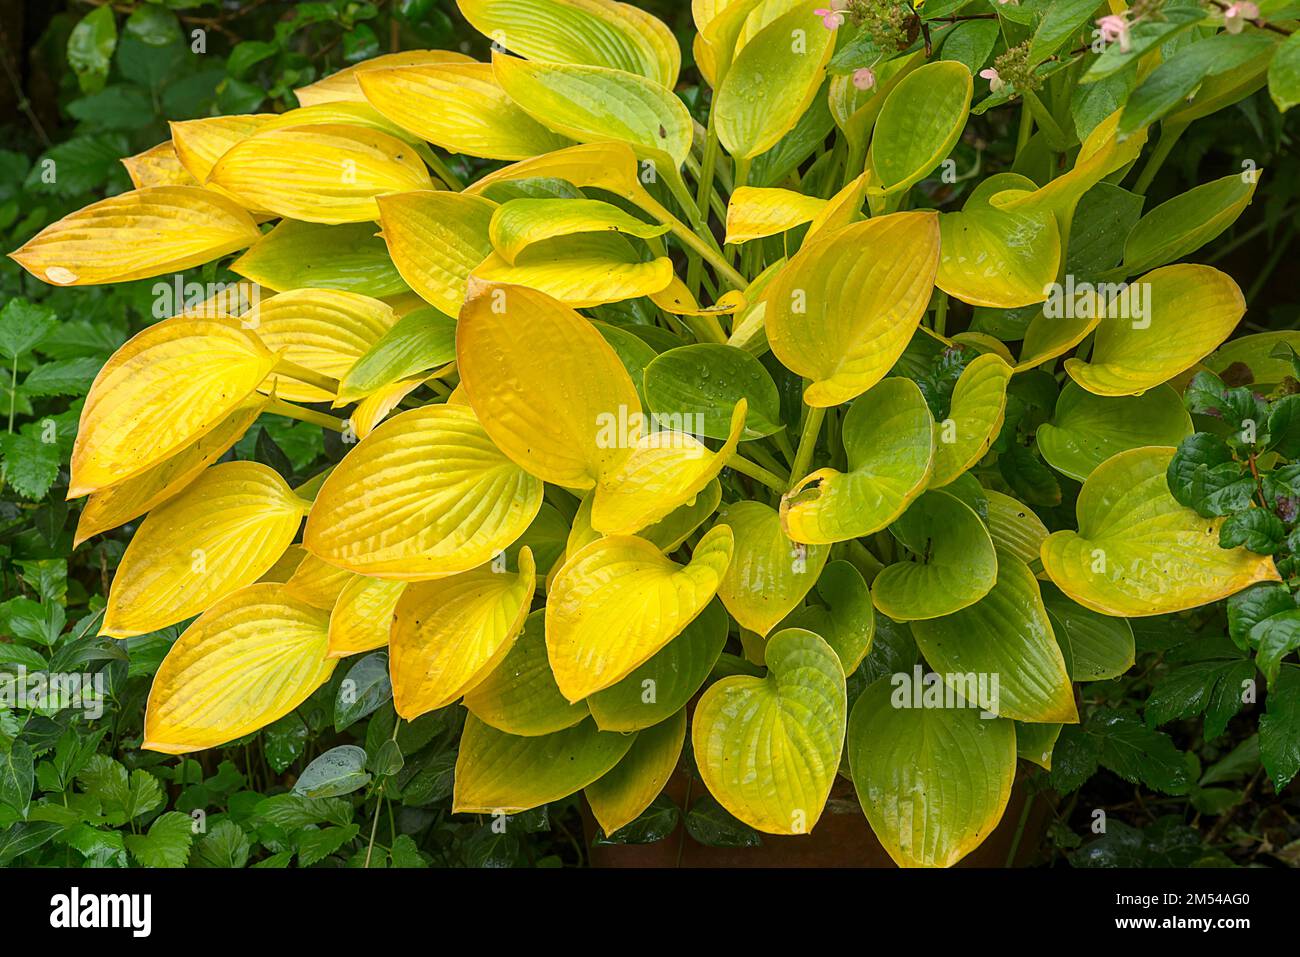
(842, 838)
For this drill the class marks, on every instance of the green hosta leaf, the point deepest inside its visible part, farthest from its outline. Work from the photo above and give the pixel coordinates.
(1006, 633)
(166, 845)
(1095, 646)
(660, 687)
(498, 772)
(695, 388)
(920, 123)
(955, 563)
(351, 257)
(518, 224)
(1036, 742)
(847, 622)
(768, 748)
(933, 782)
(1279, 729)
(998, 258)
(1088, 429)
(1187, 222)
(1105, 215)
(772, 82)
(520, 696)
(1284, 74)
(979, 402)
(338, 771)
(618, 798)
(420, 341)
(769, 574)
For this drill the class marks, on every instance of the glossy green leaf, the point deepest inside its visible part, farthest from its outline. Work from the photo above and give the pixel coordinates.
(847, 620)
(421, 341)
(920, 123)
(769, 574)
(979, 403)
(695, 388)
(1187, 222)
(1096, 647)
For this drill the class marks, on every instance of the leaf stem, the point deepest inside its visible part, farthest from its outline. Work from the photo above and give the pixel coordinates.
(302, 374)
(289, 410)
(812, 426)
(755, 471)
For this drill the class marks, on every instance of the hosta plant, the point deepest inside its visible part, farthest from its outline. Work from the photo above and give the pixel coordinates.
(802, 428)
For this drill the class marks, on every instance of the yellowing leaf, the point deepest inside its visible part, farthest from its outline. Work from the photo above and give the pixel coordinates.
(919, 124)
(436, 240)
(551, 392)
(619, 600)
(519, 695)
(327, 173)
(595, 104)
(841, 318)
(200, 143)
(324, 330)
(119, 503)
(1049, 337)
(581, 270)
(362, 615)
(1014, 527)
(425, 495)
(664, 471)
(890, 461)
(460, 107)
(772, 82)
(769, 575)
(933, 782)
(1187, 310)
(847, 620)
(998, 258)
(221, 533)
(374, 408)
(343, 86)
(1006, 633)
(158, 166)
(135, 235)
(608, 166)
(1088, 429)
(979, 403)
(768, 748)
(499, 773)
(317, 583)
(1138, 552)
(753, 213)
(249, 660)
(619, 797)
(449, 634)
(518, 224)
(955, 564)
(593, 32)
(163, 390)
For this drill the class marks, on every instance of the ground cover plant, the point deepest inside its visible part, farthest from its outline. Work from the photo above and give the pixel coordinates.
(559, 425)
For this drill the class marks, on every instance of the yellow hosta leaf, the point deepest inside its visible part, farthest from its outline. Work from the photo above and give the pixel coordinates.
(361, 115)
(550, 391)
(318, 583)
(593, 104)
(449, 634)
(581, 270)
(619, 797)
(221, 533)
(284, 566)
(665, 470)
(135, 235)
(1187, 311)
(979, 403)
(889, 460)
(343, 85)
(1138, 552)
(842, 209)
(324, 330)
(158, 166)
(592, 32)
(772, 82)
(619, 600)
(164, 389)
(769, 748)
(248, 661)
(933, 782)
(677, 299)
(841, 318)
(754, 213)
(424, 496)
(518, 224)
(119, 503)
(1014, 527)
(320, 174)
(1049, 338)
(608, 166)
(200, 143)
(919, 123)
(998, 258)
(362, 615)
(499, 773)
(436, 240)
(769, 574)
(460, 107)
(375, 407)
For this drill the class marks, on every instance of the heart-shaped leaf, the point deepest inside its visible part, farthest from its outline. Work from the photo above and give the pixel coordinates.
(1088, 429)
(979, 403)
(920, 123)
(695, 388)
(769, 574)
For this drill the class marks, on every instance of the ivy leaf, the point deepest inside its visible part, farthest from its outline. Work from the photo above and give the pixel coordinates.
(1279, 730)
(1256, 529)
(166, 845)
(1207, 679)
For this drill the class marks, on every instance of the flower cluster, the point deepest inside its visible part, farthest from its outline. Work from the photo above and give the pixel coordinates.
(1012, 69)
